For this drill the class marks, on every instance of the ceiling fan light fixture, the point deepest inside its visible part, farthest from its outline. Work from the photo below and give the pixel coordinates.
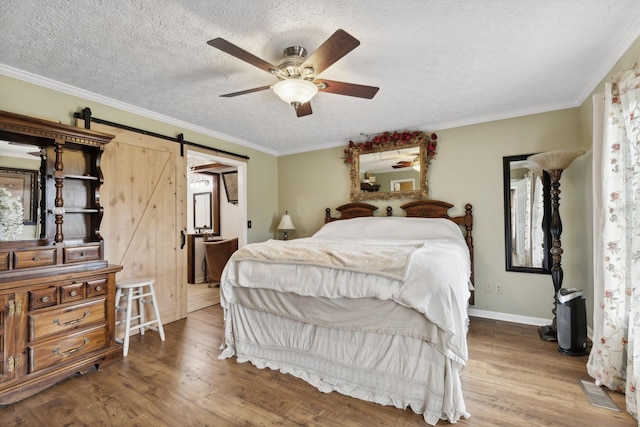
(296, 72)
(295, 91)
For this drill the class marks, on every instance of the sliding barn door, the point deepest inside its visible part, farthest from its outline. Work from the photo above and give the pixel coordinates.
(144, 201)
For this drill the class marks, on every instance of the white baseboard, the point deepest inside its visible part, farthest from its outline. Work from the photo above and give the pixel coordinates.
(516, 318)
(508, 317)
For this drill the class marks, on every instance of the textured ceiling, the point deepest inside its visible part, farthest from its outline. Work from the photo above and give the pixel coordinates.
(438, 64)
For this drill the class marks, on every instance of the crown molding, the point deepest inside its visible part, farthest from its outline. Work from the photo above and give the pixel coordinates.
(94, 97)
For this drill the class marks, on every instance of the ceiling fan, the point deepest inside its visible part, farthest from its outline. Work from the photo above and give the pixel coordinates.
(297, 73)
(402, 164)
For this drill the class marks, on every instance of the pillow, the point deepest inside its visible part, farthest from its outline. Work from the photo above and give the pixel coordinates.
(390, 228)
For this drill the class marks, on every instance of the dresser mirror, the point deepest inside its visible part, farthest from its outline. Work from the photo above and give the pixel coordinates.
(527, 210)
(384, 172)
(21, 175)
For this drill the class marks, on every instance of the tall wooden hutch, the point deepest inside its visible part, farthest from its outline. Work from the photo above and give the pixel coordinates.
(57, 308)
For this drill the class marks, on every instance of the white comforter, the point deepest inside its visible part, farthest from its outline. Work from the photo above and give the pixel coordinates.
(435, 283)
(429, 275)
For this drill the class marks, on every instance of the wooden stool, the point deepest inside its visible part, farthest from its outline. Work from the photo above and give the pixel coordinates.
(134, 289)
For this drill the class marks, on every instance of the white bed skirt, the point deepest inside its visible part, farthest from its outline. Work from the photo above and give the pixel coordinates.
(397, 370)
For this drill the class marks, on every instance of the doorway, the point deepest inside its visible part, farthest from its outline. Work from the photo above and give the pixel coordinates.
(221, 180)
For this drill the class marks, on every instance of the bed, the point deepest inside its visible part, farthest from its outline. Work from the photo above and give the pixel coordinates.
(373, 307)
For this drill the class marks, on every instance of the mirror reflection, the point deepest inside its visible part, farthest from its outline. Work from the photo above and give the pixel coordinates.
(21, 181)
(388, 173)
(202, 211)
(396, 170)
(527, 207)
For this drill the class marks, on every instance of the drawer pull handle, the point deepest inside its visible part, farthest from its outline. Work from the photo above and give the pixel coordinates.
(98, 288)
(83, 253)
(71, 322)
(73, 350)
(13, 364)
(36, 258)
(44, 299)
(73, 293)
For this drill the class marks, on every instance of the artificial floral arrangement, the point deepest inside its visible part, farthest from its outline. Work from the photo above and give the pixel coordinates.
(393, 140)
(11, 214)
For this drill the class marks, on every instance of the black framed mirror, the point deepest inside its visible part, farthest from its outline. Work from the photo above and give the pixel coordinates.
(527, 212)
(202, 217)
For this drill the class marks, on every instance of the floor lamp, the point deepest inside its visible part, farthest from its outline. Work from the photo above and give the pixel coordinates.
(554, 162)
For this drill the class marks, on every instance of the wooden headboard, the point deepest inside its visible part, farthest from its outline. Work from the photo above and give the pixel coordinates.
(352, 210)
(418, 208)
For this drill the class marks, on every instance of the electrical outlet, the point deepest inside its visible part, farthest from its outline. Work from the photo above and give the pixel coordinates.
(498, 288)
(488, 288)
(248, 224)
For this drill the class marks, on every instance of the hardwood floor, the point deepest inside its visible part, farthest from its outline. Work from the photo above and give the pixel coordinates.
(512, 379)
(201, 296)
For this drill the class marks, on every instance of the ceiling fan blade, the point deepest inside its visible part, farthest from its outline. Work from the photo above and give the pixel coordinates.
(304, 109)
(401, 164)
(348, 89)
(242, 54)
(335, 47)
(244, 92)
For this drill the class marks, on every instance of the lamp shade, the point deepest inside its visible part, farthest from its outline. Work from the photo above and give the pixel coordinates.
(555, 160)
(295, 91)
(286, 223)
(533, 167)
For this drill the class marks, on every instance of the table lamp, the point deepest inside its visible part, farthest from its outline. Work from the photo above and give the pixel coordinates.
(286, 225)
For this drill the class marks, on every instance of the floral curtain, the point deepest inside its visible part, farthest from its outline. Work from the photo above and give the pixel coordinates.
(614, 360)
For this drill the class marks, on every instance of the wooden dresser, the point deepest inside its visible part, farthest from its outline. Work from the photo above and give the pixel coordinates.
(57, 293)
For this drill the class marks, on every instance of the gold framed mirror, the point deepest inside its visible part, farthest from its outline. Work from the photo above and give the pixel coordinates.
(391, 166)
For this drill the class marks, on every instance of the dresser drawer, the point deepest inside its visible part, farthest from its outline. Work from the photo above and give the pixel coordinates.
(34, 258)
(4, 260)
(81, 254)
(50, 322)
(96, 287)
(41, 298)
(72, 346)
(73, 292)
